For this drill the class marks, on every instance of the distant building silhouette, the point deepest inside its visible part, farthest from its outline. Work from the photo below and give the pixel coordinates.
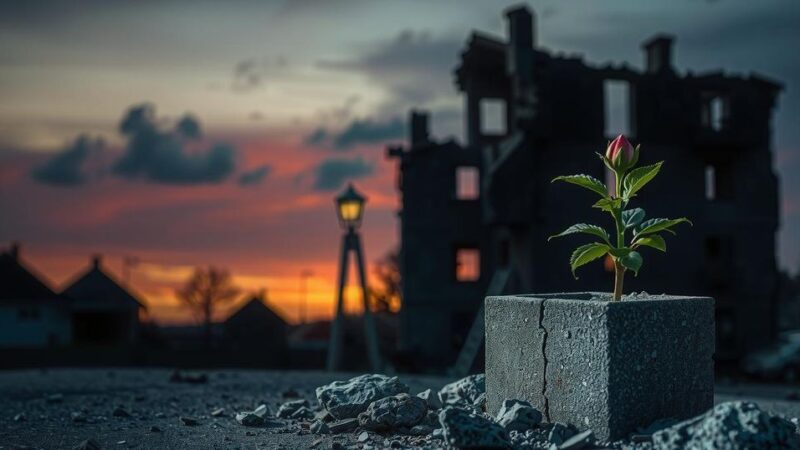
(532, 115)
(259, 331)
(103, 312)
(31, 314)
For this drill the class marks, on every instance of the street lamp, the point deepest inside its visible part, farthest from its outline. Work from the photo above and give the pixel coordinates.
(350, 210)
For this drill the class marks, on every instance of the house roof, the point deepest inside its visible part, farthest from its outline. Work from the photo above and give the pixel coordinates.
(96, 287)
(17, 282)
(254, 311)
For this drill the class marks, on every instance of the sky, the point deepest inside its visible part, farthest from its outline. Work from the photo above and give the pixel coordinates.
(197, 133)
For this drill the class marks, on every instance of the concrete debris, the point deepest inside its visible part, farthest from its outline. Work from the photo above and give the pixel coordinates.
(579, 441)
(287, 409)
(431, 398)
(78, 417)
(303, 413)
(21, 417)
(189, 421)
(255, 418)
(466, 391)
(219, 412)
(730, 426)
(401, 410)
(465, 429)
(319, 427)
(347, 399)
(363, 437)
(560, 433)
(343, 426)
(518, 415)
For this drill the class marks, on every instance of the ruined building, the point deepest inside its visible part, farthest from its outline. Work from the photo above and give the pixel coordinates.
(469, 210)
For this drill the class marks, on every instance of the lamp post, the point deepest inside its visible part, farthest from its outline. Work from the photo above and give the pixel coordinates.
(350, 211)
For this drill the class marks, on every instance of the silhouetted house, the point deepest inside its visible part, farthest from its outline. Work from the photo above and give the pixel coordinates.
(258, 331)
(31, 314)
(532, 115)
(103, 312)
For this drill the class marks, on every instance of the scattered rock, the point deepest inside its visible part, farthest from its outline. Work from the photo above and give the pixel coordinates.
(466, 429)
(559, 433)
(189, 421)
(192, 378)
(303, 414)
(343, 426)
(578, 441)
(401, 410)
(250, 419)
(122, 442)
(261, 410)
(346, 399)
(219, 412)
(160, 415)
(466, 391)
(337, 446)
(287, 409)
(730, 426)
(155, 429)
(78, 417)
(518, 415)
(421, 430)
(21, 417)
(363, 437)
(55, 398)
(319, 427)
(323, 415)
(88, 444)
(315, 443)
(431, 399)
(120, 412)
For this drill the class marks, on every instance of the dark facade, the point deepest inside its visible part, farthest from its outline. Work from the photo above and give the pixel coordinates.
(712, 129)
(255, 334)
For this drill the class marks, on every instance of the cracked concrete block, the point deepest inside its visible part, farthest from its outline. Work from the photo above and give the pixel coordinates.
(611, 367)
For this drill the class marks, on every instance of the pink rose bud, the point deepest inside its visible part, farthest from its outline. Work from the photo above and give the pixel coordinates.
(620, 153)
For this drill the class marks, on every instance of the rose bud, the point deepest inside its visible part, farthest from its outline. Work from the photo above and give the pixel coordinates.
(621, 154)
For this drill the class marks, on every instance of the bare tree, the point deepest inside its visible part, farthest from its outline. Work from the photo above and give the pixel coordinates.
(205, 292)
(386, 295)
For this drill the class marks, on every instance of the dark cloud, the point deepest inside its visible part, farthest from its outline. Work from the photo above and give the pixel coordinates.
(255, 176)
(161, 155)
(332, 173)
(358, 132)
(67, 167)
(250, 74)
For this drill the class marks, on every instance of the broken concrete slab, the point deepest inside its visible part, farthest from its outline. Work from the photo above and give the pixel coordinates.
(347, 399)
(401, 410)
(466, 391)
(608, 366)
(730, 426)
(343, 426)
(463, 428)
(431, 398)
(287, 409)
(518, 415)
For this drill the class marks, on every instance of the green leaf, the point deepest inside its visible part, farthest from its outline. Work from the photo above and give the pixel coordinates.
(608, 204)
(632, 261)
(656, 225)
(586, 254)
(585, 181)
(632, 217)
(655, 241)
(619, 252)
(637, 178)
(584, 228)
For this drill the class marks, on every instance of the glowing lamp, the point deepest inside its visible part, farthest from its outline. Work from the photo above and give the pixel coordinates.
(350, 208)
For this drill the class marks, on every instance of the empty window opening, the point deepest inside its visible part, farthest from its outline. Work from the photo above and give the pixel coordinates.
(719, 182)
(716, 112)
(617, 108)
(467, 183)
(493, 116)
(468, 264)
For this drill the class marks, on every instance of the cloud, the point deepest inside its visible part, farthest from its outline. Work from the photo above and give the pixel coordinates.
(332, 173)
(255, 176)
(250, 74)
(162, 156)
(67, 167)
(358, 132)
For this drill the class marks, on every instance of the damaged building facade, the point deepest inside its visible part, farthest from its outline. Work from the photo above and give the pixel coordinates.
(469, 211)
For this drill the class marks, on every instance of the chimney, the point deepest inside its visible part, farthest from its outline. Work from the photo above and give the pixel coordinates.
(97, 259)
(14, 250)
(658, 53)
(521, 41)
(419, 127)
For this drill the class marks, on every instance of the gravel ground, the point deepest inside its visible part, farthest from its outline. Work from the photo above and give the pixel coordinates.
(49, 399)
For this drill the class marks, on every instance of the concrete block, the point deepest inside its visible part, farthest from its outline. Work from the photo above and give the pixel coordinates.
(606, 366)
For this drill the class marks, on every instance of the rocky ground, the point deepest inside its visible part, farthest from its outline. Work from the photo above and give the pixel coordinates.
(143, 408)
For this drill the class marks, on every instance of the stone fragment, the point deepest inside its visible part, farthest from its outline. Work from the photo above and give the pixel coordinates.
(465, 429)
(323, 415)
(303, 414)
(120, 412)
(466, 391)
(343, 426)
(730, 426)
(431, 399)
(250, 419)
(518, 415)
(346, 399)
(579, 441)
(78, 417)
(287, 409)
(89, 444)
(219, 412)
(189, 421)
(55, 398)
(420, 430)
(559, 433)
(21, 417)
(319, 427)
(363, 437)
(401, 410)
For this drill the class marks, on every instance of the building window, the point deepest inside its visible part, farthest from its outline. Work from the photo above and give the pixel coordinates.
(28, 313)
(618, 118)
(716, 112)
(719, 182)
(719, 260)
(468, 264)
(493, 116)
(467, 183)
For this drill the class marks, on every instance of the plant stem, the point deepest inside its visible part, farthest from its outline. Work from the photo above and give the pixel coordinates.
(619, 276)
(619, 270)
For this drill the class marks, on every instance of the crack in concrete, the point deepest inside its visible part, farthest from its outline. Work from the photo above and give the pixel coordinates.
(544, 365)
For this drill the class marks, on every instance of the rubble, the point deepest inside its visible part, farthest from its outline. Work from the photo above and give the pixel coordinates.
(518, 415)
(255, 418)
(466, 391)
(431, 398)
(559, 433)
(303, 414)
(730, 426)
(401, 410)
(287, 409)
(347, 399)
(78, 417)
(319, 427)
(466, 429)
(219, 412)
(343, 426)
(579, 441)
(189, 421)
